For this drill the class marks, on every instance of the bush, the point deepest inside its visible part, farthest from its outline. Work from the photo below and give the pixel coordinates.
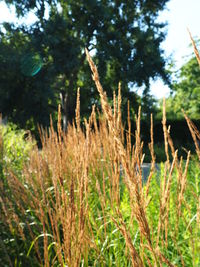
(15, 147)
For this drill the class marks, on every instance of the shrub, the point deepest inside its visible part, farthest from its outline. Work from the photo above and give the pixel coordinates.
(15, 147)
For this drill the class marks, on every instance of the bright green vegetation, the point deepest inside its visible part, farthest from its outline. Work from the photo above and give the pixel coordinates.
(15, 147)
(185, 92)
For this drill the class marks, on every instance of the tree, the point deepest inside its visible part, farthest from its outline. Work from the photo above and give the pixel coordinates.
(124, 37)
(25, 100)
(186, 92)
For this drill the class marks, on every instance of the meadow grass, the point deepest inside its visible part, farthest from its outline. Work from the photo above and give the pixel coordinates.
(82, 201)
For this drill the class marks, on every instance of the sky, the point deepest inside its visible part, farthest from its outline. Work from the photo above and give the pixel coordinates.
(179, 14)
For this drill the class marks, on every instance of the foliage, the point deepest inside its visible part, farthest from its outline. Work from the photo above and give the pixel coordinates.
(125, 37)
(26, 101)
(15, 147)
(186, 92)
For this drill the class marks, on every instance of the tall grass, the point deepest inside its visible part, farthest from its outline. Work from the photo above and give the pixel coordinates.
(82, 201)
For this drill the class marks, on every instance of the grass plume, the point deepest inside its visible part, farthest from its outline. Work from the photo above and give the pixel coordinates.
(82, 201)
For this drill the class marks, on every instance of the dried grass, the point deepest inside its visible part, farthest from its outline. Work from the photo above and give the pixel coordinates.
(194, 47)
(90, 162)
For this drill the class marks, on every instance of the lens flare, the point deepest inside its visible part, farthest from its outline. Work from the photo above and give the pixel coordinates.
(31, 64)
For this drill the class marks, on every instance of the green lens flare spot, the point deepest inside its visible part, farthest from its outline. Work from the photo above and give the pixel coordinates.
(31, 64)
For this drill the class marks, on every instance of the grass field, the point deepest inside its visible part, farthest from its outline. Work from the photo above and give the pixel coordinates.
(81, 199)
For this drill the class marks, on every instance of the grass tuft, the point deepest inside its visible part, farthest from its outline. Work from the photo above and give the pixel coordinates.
(82, 201)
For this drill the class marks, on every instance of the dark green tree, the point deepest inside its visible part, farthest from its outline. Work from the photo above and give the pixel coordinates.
(25, 100)
(124, 37)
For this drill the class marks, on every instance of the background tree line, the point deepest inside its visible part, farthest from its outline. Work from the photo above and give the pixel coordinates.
(185, 91)
(125, 40)
(124, 37)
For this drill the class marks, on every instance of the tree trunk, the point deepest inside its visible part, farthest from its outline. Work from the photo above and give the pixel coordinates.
(64, 98)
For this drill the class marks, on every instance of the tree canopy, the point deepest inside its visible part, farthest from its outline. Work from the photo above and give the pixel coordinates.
(186, 92)
(123, 36)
